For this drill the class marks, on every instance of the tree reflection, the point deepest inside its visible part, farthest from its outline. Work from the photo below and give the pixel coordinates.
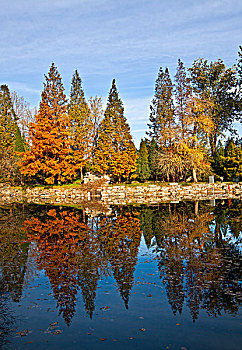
(13, 252)
(120, 238)
(196, 264)
(68, 252)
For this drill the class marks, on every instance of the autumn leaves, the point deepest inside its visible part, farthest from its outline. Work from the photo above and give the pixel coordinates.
(67, 137)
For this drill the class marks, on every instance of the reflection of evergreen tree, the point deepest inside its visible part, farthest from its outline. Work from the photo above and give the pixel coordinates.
(171, 274)
(146, 216)
(228, 219)
(88, 276)
(196, 263)
(120, 238)
(13, 253)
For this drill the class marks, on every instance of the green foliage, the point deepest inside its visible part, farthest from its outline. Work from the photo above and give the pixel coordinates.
(152, 159)
(80, 119)
(232, 160)
(7, 120)
(183, 93)
(239, 87)
(143, 170)
(9, 138)
(227, 160)
(162, 110)
(115, 153)
(19, 141)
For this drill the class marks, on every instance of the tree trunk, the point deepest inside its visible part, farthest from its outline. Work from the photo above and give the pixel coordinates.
(212, 142)
(196, 207)
(194, 174)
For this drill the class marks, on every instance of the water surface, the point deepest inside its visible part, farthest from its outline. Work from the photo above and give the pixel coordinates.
(159, 277)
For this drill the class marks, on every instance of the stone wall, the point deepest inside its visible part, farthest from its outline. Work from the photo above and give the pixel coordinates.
(152, 194)
(107, 194)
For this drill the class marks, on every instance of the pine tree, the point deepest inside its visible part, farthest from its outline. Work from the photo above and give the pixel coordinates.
(162, 111)
(143, 170)
(19, 141)
(153, 148)
(239, 87)
(183, 93)
(8, 138)
(115, 153)
(7, 121)
(232, 160)
(81, 124)
(50, 157)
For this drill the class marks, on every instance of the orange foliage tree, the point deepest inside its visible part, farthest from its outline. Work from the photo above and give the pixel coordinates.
(50, 158)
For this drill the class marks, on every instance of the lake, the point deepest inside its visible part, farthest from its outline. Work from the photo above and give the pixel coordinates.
(132, 277)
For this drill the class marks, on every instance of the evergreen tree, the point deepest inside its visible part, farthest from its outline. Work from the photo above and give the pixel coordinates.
(183, 93)
(8, 138)
(143, 170)
(19, 141)
(115, 153)
(81, 125)
(50, 157)
(162, 111)
(153, 149)
(232, 160)
(239, 87)
(7, 120)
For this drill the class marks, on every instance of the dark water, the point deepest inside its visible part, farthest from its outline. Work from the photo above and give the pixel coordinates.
(166, 277)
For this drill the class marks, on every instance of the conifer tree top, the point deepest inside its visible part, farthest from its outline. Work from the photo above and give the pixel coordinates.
(53, 93)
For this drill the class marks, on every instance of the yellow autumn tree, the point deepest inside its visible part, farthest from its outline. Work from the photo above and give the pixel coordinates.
(50, 158)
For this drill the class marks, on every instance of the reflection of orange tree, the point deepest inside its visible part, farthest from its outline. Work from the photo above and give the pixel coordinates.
(66, 247)
(13, 252)
(120, 239)
(193, 267)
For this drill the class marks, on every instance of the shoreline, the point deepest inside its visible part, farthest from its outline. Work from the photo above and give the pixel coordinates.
(119, 194)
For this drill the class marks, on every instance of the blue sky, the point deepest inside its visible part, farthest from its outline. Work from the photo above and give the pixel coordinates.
(104, 39)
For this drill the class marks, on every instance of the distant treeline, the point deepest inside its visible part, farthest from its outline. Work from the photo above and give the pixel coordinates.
(64, 138)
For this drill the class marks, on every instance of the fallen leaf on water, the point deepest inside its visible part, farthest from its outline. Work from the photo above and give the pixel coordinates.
(104, 308)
